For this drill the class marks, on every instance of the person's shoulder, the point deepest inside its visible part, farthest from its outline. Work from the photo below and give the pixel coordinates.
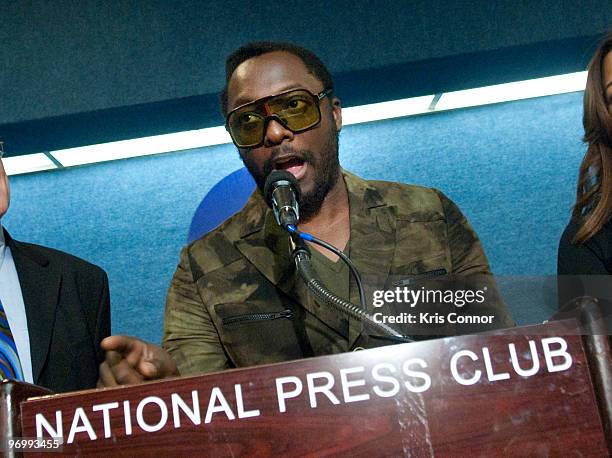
(59, 259)
(405, 193)
(601, 240)
(216, 248)
(599, 243)
(593, 256)
(410, 200)
(221, 236)
(568, 234)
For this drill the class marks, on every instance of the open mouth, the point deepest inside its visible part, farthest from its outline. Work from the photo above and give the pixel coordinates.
(292, 164)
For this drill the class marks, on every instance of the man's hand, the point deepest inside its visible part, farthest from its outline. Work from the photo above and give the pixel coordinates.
(130, 361)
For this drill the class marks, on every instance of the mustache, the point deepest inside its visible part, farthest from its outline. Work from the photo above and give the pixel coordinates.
(285, 150)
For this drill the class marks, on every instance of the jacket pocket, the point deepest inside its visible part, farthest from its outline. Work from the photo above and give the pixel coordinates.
(255, 333)
(253, 317)
(414, 278)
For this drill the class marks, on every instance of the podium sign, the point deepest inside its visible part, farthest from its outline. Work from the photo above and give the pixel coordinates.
(521, 391)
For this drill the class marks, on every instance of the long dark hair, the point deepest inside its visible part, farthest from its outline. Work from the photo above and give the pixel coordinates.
(593, 206)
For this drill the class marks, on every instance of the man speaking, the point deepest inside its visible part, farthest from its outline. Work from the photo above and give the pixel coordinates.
(235, 299)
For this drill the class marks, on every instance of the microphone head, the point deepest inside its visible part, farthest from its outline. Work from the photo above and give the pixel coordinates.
(273, 181)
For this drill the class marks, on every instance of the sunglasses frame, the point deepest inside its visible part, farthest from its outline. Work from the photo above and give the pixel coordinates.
(316, 97)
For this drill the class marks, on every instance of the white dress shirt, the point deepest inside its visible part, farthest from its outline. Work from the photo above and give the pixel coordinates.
(12, 300)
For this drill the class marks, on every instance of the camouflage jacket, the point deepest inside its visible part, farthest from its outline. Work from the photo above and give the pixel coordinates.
(236, 299)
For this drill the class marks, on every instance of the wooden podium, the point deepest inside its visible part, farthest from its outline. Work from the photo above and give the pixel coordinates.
(524, 391)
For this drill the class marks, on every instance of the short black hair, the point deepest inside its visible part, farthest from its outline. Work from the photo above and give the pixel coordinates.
(258, 48)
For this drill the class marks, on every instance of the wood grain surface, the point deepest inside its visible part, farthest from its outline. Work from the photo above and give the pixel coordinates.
(549, 413)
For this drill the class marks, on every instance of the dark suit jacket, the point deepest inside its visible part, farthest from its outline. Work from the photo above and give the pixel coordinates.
(68, 311)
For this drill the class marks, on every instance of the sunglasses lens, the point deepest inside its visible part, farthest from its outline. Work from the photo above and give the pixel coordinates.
(297, 110)
(246, 127)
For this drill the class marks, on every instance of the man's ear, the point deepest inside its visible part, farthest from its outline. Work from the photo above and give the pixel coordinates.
(337, 112)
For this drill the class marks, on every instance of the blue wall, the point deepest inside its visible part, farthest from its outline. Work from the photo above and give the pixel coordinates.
(511, 168)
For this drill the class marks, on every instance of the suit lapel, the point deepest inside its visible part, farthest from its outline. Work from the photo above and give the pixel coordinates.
(372, 241)
(40, 285)
(265, 245)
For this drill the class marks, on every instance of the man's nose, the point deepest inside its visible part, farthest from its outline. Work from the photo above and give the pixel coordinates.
(276, 133)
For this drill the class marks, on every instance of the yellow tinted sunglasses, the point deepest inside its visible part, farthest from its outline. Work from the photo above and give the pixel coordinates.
(297, 110)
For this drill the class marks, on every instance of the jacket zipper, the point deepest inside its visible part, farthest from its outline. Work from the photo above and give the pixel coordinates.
(421, 276)
(250, 317)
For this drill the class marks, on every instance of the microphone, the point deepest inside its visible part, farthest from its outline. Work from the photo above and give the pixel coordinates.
(282, 193)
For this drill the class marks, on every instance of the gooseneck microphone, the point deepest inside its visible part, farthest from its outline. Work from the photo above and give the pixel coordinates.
(282, 193)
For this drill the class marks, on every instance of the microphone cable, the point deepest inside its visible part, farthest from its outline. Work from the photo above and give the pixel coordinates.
(311, 238)
(301, 256)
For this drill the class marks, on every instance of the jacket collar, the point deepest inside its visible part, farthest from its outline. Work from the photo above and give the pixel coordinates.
(372, 241)
(40, 283)
(362, 197)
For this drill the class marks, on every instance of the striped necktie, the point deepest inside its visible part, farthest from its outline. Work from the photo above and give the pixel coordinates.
(10, 367)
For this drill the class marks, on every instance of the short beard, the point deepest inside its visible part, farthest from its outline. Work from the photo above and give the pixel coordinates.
(326, 176)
